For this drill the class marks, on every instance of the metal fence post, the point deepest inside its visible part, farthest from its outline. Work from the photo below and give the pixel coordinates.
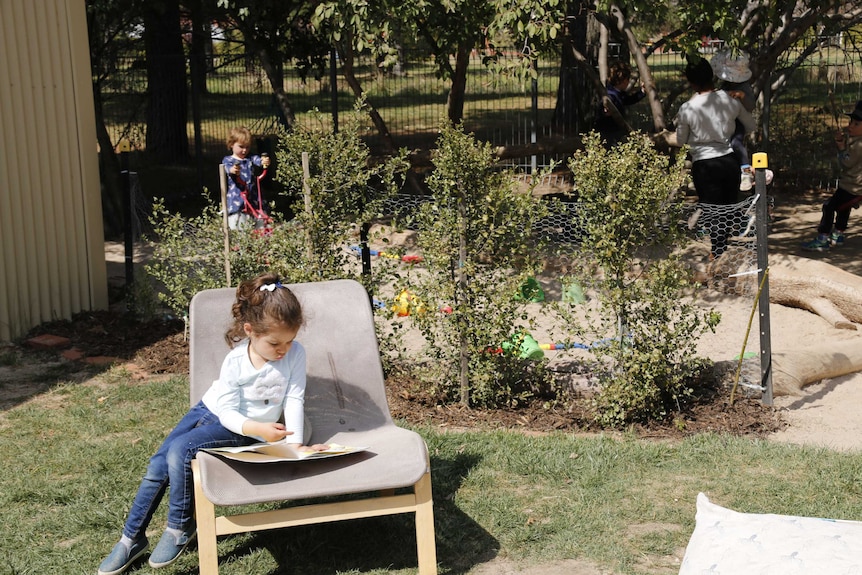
(333, 88)
(760, 162)
(124, 147)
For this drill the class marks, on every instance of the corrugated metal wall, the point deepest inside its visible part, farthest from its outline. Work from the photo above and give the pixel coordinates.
(51, 235)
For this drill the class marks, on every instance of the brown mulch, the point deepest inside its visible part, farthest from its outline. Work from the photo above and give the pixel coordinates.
(156, 346)
(709, 410)
(161, 347)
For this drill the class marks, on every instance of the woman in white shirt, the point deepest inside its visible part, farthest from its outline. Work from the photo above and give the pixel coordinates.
(706, 123)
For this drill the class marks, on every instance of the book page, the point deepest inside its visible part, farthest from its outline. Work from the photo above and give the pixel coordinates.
(280, 451)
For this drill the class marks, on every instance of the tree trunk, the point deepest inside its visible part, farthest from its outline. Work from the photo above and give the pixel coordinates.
(109, 170)
(659, 123)
(167, 111)
(198, 73)
(201, 42)
(604, 44)
(353, 82)
(275, 76)
(575, 92)
(455, 101)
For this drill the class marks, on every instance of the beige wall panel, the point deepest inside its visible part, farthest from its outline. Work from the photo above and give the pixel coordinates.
(35, 197)
(8, 295)
(64, 181)
(51, 130)
(14, 95)
(50, 214)
(86, 162)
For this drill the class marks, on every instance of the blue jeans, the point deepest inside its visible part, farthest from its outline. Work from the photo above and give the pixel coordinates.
(171, 465)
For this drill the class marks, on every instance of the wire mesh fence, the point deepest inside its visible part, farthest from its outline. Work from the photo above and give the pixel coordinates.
(715, 232)
(728, 233)
(720, 244)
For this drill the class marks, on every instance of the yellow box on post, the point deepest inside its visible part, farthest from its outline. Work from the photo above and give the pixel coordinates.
(759, 160)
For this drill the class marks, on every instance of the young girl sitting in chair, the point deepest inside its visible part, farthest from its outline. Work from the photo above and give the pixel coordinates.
(261, 385)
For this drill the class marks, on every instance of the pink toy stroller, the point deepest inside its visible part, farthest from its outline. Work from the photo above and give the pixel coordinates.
(262, 220)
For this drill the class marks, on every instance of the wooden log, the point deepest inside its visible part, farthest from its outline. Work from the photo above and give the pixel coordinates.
(837, 303)
(792, 370)
(826, 290)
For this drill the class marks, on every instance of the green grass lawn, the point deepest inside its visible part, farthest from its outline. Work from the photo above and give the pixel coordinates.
(73, 457)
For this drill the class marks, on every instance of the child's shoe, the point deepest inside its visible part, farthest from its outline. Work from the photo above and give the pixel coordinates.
(121, 557)
(819, 244)
(170, 546)
(746, 182)
(836, 239)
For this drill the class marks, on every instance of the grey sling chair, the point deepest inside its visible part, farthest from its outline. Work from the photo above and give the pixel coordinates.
(345, 403)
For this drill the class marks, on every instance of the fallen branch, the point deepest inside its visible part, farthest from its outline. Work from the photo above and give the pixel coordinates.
(826, 290)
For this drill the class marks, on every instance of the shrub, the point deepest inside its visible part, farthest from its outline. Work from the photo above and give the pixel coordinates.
(345, 190)
(475, 236)
(629, 209)
(189, 253)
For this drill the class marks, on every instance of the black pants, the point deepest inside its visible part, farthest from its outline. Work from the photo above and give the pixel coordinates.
(836, 211)
(717, 182)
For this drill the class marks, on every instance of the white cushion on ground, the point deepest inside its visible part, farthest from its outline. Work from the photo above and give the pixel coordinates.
(733, 543)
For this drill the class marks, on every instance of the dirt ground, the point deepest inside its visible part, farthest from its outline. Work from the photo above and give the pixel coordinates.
(826, 414)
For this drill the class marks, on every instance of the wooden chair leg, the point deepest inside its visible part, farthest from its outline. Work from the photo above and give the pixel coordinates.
(206, 527)
(426, 547)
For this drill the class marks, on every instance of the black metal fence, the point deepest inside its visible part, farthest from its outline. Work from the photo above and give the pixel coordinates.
(809, 103)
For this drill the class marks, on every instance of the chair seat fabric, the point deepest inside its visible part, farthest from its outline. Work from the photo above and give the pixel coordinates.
(395, 458)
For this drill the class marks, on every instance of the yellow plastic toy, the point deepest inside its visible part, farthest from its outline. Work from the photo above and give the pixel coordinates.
(408, 303)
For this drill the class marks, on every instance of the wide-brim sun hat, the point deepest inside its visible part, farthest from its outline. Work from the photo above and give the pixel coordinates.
(731, 68)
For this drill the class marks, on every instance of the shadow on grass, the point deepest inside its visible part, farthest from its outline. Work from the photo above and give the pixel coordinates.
(380, 543)
(98, 341)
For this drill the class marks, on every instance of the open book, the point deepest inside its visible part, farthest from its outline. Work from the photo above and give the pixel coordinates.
(280, 451)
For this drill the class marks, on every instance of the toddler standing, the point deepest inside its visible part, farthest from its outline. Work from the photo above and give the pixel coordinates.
(241, 183)
(735, 75)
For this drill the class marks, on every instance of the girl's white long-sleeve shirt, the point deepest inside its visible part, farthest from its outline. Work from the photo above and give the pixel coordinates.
(268, 394)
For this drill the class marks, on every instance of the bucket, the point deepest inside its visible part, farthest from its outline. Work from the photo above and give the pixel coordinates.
(531, 291)
(572, 291)
(527, 347)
